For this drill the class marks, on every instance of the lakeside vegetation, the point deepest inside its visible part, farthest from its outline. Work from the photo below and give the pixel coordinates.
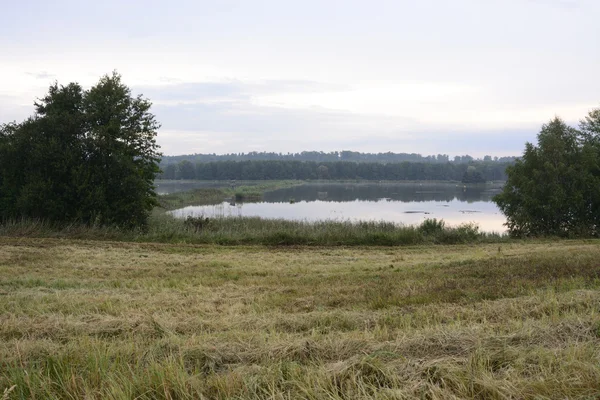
(234, 191)
(108, 320)
(163, 228)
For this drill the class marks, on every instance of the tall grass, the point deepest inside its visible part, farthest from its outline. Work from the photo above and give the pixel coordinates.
(164, 228)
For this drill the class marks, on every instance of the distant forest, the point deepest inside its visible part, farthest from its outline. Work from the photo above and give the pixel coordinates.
(319, 156)
(473, 172)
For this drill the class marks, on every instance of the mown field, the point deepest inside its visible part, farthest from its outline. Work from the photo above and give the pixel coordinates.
(114, 320)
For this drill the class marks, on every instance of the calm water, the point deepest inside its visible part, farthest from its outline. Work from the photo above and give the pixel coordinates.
(407, 203)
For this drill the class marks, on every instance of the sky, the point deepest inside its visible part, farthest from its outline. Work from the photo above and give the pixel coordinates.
(430, 76)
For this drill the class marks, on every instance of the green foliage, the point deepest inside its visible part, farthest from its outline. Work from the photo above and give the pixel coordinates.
(186, 170)
(555, 188)
(471, 175)
(474, 172)
(431, 226)
(85, 156)
(334, 156)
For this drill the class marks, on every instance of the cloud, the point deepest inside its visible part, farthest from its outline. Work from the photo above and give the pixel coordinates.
(229, 90)
(234, 127)
(41, 75)
(232, 116)
(562, 4)
(12, 109)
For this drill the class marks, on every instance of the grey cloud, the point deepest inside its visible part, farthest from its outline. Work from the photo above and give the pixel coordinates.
(41, 75)
(231, 127)
(253, 119)
(232, 90)
(234, 123)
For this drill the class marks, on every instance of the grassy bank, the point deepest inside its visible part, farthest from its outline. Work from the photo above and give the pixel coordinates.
(164, 228)
(237, 192)
(112, 320)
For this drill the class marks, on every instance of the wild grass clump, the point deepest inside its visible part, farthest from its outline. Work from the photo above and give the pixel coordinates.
(432, 226)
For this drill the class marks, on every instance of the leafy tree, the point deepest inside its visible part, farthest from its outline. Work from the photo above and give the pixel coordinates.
(87, 156)
(471, 175)
(169, 172)
(272, 169)
(553, 188)
(41, 155)
(186, 170)
(323, 172)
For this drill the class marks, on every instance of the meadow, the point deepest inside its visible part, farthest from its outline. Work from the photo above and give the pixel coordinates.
(87, 319)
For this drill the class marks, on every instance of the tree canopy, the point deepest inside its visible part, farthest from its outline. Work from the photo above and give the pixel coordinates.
(334, 156)
(554, 189)
(86, 156)
(476, 172)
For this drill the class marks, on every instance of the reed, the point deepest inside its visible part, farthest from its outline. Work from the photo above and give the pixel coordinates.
(164, 228)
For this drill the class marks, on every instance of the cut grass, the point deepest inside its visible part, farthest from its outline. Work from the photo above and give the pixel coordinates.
(97, 320)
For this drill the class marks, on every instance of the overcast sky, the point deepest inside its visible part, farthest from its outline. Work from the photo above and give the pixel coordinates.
(427, 76)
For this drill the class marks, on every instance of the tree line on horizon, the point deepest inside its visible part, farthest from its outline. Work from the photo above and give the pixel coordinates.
(334, 156)
(475, 172)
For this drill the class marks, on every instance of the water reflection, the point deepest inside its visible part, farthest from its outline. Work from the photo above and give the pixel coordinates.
(404, 192)
(404, 203)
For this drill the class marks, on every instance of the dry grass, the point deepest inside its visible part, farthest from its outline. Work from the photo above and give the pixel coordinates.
(108, 320)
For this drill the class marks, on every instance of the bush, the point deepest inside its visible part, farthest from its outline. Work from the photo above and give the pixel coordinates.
(432, 226)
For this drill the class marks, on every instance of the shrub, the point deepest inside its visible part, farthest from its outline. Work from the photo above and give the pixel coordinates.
(432, 226)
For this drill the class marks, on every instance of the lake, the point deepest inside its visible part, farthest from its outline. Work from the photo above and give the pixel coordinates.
(406, 203)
